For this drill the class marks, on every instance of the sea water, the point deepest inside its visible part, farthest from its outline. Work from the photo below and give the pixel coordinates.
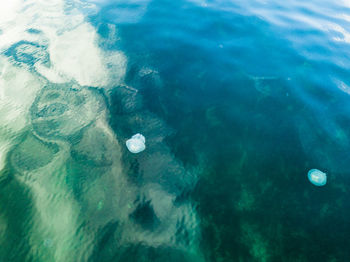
(236, 100)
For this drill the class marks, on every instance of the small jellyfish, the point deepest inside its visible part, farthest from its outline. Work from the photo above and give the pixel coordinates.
(317, 177)
(136, 143)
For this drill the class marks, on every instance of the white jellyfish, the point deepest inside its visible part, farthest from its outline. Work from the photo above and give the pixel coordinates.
(317, 177)
(136, 143)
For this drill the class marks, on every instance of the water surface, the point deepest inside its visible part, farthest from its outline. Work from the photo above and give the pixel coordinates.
(237, 100)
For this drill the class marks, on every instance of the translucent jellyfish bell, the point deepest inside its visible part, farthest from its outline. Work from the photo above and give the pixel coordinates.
(136, 143)
(317, 177)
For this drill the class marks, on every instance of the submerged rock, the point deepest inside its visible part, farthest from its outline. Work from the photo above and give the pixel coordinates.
(136, 143)
(61, 111)
(317, 177)
(32, 153)
(29, 53)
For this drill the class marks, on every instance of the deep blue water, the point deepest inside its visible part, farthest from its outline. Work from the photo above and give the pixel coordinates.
(237, 100)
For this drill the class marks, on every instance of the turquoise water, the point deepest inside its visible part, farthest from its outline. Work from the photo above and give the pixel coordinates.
(237, 101)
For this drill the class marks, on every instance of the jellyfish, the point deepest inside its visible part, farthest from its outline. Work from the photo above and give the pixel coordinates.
(317, 177)
(136, 143)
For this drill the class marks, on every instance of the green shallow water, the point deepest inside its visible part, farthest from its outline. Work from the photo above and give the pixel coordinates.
(237, 100)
